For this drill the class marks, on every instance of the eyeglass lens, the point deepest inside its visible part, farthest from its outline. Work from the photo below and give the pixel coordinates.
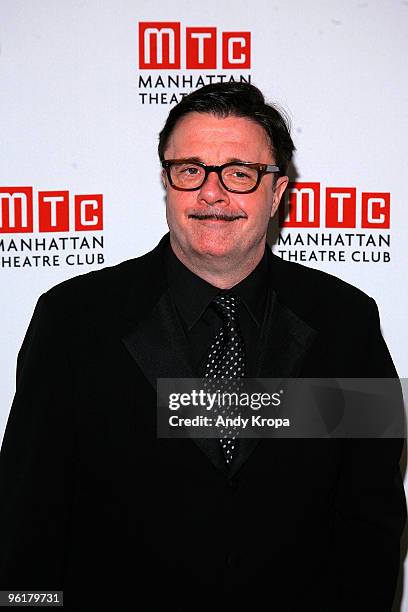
(190, 176)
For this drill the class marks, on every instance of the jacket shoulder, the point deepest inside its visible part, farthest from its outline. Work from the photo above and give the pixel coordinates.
(103, 289)
(315, 294)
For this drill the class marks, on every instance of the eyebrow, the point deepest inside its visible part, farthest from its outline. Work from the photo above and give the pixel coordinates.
(230, 160)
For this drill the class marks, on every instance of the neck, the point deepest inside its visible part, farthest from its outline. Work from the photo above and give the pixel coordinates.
(222, 272)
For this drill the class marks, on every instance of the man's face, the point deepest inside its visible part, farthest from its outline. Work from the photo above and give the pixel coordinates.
(216, 141)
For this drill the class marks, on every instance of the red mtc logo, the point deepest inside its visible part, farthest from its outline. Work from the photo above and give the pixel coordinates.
(17, 215)
(160, 47)
(303, 207)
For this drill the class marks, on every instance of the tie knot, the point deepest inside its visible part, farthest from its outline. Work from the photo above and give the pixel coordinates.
(227, 306)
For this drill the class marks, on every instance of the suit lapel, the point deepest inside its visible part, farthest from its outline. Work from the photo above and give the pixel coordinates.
(160, 348)
(158, 344)
(284, 342)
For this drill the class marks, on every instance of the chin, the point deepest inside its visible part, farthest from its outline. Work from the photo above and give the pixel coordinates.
(212, 247)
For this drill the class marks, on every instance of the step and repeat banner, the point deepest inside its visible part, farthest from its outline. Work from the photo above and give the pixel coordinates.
(87, 84)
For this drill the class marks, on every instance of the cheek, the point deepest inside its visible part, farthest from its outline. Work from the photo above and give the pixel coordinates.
(257, 206)
(177, 202)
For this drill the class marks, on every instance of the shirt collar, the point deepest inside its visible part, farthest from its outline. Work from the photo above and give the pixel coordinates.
(192, 294)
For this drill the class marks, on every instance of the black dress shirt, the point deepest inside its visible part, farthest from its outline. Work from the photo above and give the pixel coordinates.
(193, 296)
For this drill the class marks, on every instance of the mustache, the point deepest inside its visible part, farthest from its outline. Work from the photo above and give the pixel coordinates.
(215, 214)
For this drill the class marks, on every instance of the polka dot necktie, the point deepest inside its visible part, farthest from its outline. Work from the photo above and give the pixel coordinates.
(227, 359)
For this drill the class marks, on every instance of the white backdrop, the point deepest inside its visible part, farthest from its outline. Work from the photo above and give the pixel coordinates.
(82, 103)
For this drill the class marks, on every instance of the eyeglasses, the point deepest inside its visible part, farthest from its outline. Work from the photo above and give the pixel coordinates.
(237, 177)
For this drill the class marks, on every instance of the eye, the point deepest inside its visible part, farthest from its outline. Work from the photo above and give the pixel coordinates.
(240, 174)
(187, 169)
(192, 170)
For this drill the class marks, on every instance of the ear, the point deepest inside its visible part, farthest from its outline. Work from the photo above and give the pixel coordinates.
(278, 191)
(164, 178)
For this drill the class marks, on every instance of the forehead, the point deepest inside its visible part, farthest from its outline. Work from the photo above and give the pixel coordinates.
(215, 139)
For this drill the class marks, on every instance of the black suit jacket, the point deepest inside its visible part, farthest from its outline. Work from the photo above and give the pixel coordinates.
(92, 502)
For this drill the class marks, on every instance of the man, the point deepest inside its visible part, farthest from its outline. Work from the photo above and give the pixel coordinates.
(94, 503)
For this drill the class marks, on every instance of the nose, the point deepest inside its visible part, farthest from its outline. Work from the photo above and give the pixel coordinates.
(212, 192)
